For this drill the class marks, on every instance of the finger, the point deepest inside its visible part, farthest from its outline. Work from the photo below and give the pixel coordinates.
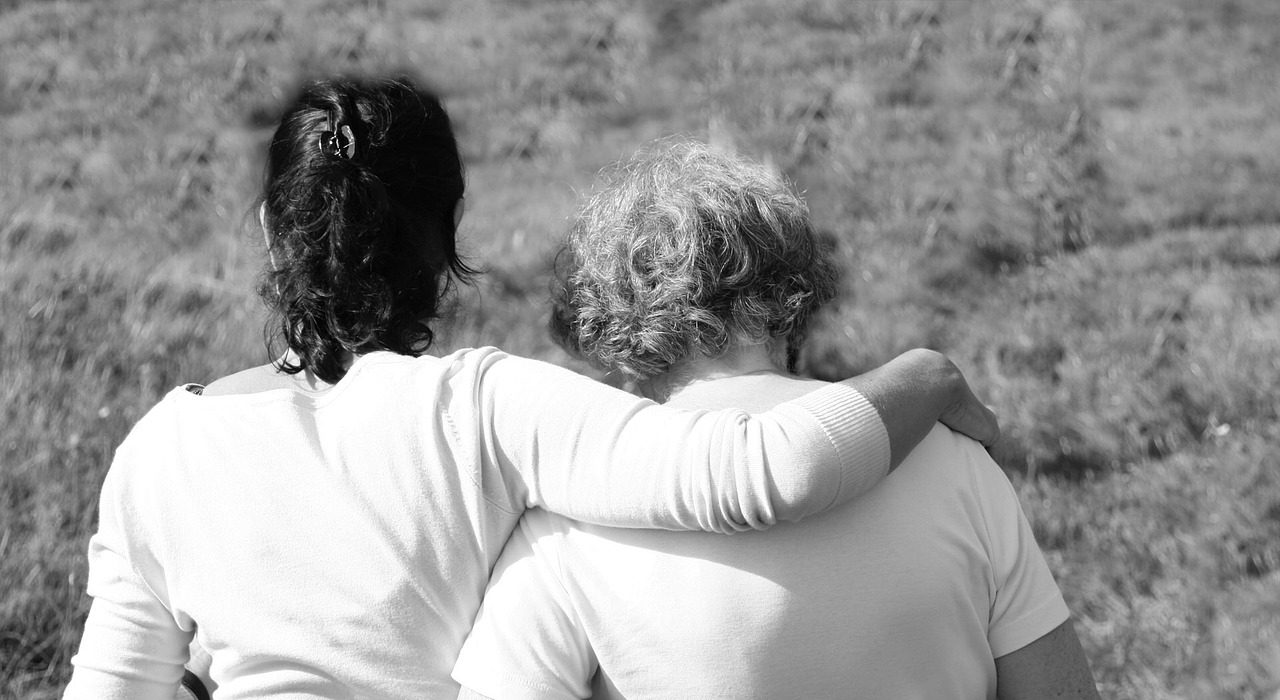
(975, 420)
(992, 430)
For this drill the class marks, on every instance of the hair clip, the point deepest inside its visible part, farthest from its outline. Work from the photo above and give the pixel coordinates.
(338, 144)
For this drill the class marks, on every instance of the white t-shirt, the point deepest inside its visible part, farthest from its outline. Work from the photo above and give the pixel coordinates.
(910, 593)
(336, 545)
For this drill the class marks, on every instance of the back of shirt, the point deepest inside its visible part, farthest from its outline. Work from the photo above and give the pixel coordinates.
(337, 544)
(317, 544)
(909, 592)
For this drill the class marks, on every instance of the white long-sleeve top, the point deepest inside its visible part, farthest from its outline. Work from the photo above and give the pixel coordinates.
(336, 545)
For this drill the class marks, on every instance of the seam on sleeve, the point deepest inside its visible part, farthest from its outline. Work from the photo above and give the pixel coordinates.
(475, 466)
(133, 569)
(1033, 624)
(976, 487)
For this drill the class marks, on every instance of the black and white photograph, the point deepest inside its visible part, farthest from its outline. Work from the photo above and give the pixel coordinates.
(639, 349)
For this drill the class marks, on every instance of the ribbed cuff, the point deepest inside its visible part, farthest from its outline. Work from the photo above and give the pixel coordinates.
(854, 428)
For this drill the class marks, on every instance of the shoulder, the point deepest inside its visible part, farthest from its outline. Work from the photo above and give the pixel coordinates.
(986, 477)
(982, 489)
(960, 454)
(384, 365)
(137, 466)
(156, 425)
(246, 381)
(957, 469)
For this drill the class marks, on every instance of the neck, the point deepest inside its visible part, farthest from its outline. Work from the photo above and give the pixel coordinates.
(738, 360)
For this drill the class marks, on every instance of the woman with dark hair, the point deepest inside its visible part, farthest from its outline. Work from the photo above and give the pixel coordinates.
(324, 526)
(363, 194)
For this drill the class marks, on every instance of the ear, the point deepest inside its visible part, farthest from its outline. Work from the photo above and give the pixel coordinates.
(458, 210)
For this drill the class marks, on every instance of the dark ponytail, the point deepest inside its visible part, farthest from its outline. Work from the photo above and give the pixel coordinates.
(361, 184)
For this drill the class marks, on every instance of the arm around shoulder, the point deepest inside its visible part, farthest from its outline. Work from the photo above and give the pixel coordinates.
(600, 455)
(596, 454)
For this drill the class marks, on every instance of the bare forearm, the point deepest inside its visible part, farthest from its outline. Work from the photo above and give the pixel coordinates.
(1053, 666)
(917, 389)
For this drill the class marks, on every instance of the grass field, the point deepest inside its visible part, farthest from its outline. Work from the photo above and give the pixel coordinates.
(1078, 201)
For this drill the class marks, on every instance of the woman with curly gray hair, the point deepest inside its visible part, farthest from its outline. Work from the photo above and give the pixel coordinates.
(688, 254)
(694, 274)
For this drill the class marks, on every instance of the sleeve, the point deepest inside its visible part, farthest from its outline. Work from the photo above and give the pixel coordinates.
(132, 646)
(1026, 603)
(526, 642)
(600, 455)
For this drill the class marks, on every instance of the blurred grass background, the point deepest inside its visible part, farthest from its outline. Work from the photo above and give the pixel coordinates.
(1079, 201)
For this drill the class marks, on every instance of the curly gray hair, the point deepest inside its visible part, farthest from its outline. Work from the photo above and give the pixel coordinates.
(682, 251)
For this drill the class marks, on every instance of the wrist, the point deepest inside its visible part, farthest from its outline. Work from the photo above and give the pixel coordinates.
(938, 376)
